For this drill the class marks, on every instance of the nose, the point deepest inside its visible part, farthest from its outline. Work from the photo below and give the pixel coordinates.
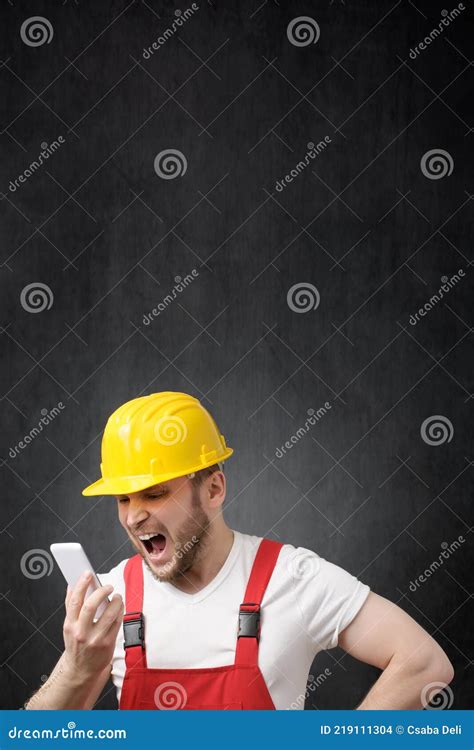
(136, 513)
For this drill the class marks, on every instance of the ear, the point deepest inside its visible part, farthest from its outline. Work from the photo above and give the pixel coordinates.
(216, 489)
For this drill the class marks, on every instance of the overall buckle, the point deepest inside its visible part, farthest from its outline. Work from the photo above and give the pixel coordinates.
(133, 630)
(249, 621)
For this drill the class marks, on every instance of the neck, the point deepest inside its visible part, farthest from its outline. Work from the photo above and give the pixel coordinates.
(207, 565)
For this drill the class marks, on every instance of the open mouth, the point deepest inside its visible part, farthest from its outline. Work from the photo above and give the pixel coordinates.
(155, 544)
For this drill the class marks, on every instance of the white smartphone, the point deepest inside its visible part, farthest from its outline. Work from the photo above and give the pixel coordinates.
(73, 562)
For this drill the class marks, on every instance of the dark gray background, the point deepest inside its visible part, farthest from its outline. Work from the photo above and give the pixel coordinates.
(362, 223)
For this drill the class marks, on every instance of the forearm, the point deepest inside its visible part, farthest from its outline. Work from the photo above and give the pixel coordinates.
(401, 685)
(66, 689)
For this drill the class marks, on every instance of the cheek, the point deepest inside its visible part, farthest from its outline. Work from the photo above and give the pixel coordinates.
(174, 514)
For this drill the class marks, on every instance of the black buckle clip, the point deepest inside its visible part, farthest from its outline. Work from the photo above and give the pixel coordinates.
(249, 622)
(133, 631)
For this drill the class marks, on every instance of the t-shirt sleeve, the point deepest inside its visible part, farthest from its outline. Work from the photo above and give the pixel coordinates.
(327, 596)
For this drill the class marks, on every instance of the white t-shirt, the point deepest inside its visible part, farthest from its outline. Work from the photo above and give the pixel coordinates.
(307, 603)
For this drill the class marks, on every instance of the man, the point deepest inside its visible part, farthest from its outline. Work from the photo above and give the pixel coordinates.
(214, 618)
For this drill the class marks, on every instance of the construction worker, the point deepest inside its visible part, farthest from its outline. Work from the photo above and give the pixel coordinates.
(207, 617)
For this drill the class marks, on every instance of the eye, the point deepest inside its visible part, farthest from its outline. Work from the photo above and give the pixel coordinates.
(123, 500)
(156, 497)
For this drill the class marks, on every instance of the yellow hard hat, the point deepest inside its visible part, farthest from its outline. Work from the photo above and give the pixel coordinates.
(154, 438)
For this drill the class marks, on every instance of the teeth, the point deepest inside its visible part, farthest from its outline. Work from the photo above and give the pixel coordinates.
(145, 537)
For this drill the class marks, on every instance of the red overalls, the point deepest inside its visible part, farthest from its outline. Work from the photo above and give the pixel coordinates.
(235, 686)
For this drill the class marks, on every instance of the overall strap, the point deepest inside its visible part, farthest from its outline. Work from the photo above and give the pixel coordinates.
(133, 623)
(249, 614)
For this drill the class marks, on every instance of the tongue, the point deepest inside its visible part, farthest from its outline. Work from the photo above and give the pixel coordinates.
(158, 543)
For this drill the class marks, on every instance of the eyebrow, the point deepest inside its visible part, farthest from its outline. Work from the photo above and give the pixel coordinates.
(148, 490)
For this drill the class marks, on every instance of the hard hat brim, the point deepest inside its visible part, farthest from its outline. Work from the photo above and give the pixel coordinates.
(124, 485)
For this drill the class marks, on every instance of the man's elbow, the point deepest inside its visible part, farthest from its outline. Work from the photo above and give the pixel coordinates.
(442, 669)
(435, 665)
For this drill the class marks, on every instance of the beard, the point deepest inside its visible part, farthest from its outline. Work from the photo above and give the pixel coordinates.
(191, 540)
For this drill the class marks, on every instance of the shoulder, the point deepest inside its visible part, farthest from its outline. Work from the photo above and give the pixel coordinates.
(292, 563)
(300, 564)
(316, 583)
(250, 543)
(327, 595)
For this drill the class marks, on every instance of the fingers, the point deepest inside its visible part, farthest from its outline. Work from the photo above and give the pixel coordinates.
(88, 610)
(76, 596)
(111, 619)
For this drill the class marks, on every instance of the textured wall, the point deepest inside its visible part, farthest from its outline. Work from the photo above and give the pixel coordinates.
(370, 226)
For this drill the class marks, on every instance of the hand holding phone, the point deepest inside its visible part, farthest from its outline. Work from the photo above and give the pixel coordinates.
(90, 644)
(73, 562)
(89, 640)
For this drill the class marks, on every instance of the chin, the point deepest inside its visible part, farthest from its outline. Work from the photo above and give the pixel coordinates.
(166, 572)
